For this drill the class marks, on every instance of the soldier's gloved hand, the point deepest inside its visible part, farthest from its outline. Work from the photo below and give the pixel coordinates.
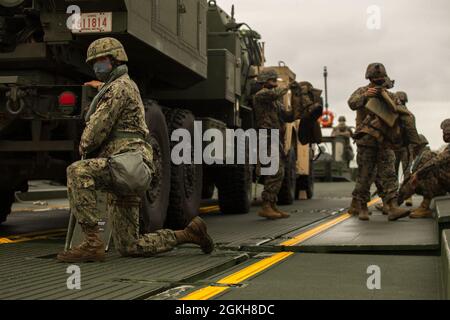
(372, 92)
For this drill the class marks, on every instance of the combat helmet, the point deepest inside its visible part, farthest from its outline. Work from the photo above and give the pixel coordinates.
(106, 47)
(342, 119)
(306, 87)
(402, 96)
(445, 125)
(376, 70)
(267, 75)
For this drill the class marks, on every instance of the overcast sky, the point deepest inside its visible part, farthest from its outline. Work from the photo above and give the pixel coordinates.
(413, 42)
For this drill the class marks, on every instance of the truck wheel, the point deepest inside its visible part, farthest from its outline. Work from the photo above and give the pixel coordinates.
(156, 200)
(186, 179)
(6, 201)
(286, 196)
(235, 189)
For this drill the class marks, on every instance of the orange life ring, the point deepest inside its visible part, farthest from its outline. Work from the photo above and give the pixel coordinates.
(327, 119)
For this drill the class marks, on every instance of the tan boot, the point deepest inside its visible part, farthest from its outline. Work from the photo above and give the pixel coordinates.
(283, 214)
(91, 250)
(423, 212)
(196, 233)
(363, 212)
(409, 202)
(395, 212)
(268, 212)
(354, 207)
(382, 207)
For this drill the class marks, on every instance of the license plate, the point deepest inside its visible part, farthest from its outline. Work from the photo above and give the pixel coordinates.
(95, 22)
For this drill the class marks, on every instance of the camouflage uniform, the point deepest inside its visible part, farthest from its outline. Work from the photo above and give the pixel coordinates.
(405, 154)
(375, 153)
(405, 157)
(120, 110)
(431, 173)
(428, 188)
(342, 130)
(434, 175)
(269, 114)
(115, 125)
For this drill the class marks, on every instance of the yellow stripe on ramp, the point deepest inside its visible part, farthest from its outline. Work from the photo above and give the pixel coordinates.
(260, 266)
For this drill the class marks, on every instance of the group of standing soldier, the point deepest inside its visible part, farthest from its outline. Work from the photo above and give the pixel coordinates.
(386, 136)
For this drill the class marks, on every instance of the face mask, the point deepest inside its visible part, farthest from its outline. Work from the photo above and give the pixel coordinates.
(379, 82)
(447, 137)
(102, 70)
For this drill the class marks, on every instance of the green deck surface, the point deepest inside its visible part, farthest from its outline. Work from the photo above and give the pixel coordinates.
(407, 252)
(343, 276)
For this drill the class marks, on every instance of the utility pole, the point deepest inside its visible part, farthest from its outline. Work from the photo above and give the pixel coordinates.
(325, 76)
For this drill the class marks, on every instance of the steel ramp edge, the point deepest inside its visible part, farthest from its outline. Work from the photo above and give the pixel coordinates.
(376, 236)
(441, 206)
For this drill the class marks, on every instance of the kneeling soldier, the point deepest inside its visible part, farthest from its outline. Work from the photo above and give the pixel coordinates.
(115, 126)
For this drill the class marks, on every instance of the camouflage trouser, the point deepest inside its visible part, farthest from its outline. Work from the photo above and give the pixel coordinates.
(432, 186)
(402, 156)
(272, 184)
(376, 164)
(84, 179)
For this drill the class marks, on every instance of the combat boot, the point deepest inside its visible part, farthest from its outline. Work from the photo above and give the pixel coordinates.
(268, 212)
(363, 213)
(423, 212)
(283, 214)
(354, 207)
(382, 207)
(196, 233)
(92, 249)
(395, 212)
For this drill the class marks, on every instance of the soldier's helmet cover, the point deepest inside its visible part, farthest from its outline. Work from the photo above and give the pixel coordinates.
(445, 126)
(375, 71)
(402, 96)
(306, 87)
(106, 47)
(342, 119)
(267, 75)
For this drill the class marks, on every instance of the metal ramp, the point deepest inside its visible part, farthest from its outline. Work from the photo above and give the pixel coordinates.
(377, 235)
(319, 253)
(31, 272)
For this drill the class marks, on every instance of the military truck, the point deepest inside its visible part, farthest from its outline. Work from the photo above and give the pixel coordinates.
(190, 59)
(333, 163)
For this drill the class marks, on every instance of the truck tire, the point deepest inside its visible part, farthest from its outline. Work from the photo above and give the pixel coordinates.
(235, 189)
(186, 179)
(156, 200)
(286, 196)
(6, 201)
